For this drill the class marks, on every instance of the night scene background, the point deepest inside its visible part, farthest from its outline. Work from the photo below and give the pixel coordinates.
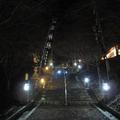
(24, 26)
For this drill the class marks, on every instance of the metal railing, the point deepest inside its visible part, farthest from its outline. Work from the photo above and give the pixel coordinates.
(17, 113)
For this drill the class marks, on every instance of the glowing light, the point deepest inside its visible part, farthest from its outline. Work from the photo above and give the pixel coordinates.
(79, 60)
(42, 81)
(75, 64)
(26, 87)
(46, 68)
(66, 72)
(79, 67)
(51, 64)
(119, 52)
(86, 80)
(26, 76)
(59, 72)
(112, 52)
(106, 87)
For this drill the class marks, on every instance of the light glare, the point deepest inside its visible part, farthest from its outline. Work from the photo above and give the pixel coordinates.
(42, 81)
(75, 64)
(59, 71)
(66, 72)
(46, 68)
(87, 80)
(80, 60)
(106, 86)
(51, 64)
(26, 86)
(79, 67)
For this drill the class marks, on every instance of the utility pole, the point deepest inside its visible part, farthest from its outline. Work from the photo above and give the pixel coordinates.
(98, 72)
(97, 40)
(100, 41)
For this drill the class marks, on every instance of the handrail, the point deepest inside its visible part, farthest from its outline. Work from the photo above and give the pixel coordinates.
(20, 111)
(107, 108)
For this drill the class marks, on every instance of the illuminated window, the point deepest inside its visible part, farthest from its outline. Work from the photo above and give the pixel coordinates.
(112, 52)
(118, 51)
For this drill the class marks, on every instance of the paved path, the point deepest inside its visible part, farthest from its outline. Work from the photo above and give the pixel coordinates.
(79, 107)
(66, 113)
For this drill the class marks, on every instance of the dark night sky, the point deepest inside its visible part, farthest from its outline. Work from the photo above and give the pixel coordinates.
(24, 25)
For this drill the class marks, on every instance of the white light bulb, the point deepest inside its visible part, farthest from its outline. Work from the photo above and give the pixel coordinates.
(26, 86)
(106, 86)
(86, 80)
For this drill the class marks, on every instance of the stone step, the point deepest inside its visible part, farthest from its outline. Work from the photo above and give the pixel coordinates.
(80, 102)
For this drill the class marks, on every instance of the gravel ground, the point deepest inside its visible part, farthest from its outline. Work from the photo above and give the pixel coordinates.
(66, 113)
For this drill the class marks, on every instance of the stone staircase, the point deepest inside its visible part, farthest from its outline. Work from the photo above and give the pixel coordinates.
(79, 96)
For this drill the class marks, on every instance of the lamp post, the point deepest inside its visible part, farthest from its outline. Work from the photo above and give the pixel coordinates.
(42, 81)
(65, 85)
(105, 89)
(26, 88)
(87, 81)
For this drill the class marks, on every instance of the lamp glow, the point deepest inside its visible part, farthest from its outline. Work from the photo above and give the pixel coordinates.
(51, 64)
(42, 81)
(46, 68)
(75, 64)
(26, 87)
(80, 60)
(79, 67)
(86, 80)
(59, 72)
(66, 72)
(106, 87)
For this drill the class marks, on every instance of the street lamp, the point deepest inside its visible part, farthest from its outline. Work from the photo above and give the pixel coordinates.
(42, 82)
(59, 72)
(46, 68)
(64, 72)
(75, 64)
(26, 88)
(79, 60)
(51, 64)
(87, 81)
(106, 87)
(79, 67)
